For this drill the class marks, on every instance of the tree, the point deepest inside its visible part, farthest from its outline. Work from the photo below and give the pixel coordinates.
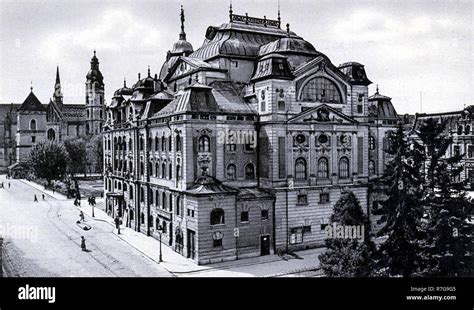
(95, 153)
(48, 160)
(347, 257)
(76, 149)
(402, 209)
(447, 248)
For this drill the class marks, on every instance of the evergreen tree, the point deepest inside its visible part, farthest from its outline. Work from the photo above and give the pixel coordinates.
(347, 257)
(48, 160)
(402, 209)
(447, 248)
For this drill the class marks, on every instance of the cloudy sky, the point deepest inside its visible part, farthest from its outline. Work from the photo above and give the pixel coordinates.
(408, 47)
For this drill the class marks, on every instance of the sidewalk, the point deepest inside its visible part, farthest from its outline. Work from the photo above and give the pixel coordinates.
(261, 266)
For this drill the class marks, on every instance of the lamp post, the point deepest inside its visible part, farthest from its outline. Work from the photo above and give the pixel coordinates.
(160, 230)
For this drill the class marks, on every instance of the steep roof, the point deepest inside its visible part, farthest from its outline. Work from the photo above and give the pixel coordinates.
(32, 103)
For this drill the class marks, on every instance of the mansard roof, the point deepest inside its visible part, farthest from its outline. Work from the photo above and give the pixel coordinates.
(210, 185)
(242, 37)
(272, 66)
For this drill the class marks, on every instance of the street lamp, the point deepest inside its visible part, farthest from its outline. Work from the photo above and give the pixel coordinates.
(160, 231)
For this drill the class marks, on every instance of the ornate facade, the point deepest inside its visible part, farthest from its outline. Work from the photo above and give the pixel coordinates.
(242, 146)
(23, 125)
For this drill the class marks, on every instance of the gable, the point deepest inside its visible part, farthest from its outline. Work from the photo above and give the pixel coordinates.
(322, 114)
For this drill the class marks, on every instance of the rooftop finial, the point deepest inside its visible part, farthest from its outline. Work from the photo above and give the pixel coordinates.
(124, 82)
(148, 70)
(31, 86)
(377, 89)
(288, 29)
(182, 34)
(139, 76)
(279, 18)
(230, 11)
(94, 52)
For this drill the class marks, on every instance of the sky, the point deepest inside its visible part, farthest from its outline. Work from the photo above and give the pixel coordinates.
(419, 52)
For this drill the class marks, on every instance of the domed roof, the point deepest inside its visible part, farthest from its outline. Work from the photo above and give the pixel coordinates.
(123, 91)
(147, 82)
(288, 44)
(182, 46)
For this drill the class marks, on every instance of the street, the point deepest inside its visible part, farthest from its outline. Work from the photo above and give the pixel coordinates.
(52, 244)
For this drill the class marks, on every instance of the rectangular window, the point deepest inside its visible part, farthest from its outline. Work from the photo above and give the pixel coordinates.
(231, 147)
(281, 157)
(264, 215)
(470, 151)
(302, 199)
(234, 64)
(324, 198)
(360, 109)
(244, 216)
(217, 243)
(456, 150)
(281, 106)
(33, 139)
(263, 106)
(296, 235)
(306, 229)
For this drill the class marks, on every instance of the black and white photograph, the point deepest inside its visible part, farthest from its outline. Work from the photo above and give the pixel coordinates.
(311, 143)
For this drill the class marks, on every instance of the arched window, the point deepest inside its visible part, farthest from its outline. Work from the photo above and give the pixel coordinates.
(178, 172)
(164, 201)
(371, 143)
(371, 167)
(300, 169)
(178, 206)
(249, 171)
(142, 168)
(217, 217)
(171, 202)
(142, 142)
(157, 143)
(170, 144)
(323, 168)
(344, 168)
(178, 144)
(163, 144)
(131, 192)
(163, 171)
(321, 89)
(157, 169)
(460, 128)
(204, 144)
(231, 171)
(51, 134)
(33, 124)
(170, 171)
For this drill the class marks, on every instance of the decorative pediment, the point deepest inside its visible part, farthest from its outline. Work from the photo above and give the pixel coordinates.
(322, 114)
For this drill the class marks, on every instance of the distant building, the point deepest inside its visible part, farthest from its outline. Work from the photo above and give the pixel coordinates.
(243, 146)
(459, 125)
(23, 125)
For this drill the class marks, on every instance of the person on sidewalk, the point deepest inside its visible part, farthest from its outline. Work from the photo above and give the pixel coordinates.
(36, 199)
(43, 196)
(8, 184)
(117, 224)
(81, 215)
(83, 244)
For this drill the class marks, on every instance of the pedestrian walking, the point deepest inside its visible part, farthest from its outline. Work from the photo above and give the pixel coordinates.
(83, 244)
(81, 215)
(8, 184)
(43, 196)
(117, 224)
(36, 199)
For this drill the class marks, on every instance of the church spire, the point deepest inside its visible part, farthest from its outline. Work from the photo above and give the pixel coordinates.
(57, 95)
(279, 17)
(182, 34)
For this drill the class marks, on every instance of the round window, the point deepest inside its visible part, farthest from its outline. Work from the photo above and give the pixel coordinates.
(322, 139)
(300, 139)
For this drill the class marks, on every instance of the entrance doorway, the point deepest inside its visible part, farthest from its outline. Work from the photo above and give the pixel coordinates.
(265, 245)
(191, 248)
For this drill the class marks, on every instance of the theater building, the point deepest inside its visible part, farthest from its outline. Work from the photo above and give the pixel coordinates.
(242, 146)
